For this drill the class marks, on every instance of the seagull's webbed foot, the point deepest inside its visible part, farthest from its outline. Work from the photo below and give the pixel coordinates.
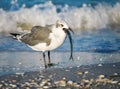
(51, 64)
(71, 58)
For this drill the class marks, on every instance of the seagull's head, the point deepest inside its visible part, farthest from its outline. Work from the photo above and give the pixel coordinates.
(63, 25)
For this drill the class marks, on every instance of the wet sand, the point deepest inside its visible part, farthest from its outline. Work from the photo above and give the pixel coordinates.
(99, 76)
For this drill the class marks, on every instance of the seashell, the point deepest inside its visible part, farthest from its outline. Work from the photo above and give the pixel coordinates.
(45, 87)
(79, 73)
(101, 76)
(70, 82)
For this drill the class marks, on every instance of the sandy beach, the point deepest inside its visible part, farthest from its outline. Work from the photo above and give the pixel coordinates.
(98, 76)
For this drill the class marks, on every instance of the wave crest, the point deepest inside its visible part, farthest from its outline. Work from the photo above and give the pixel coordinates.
(82, 18)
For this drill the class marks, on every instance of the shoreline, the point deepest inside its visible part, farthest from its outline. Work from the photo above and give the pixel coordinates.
(98, 76)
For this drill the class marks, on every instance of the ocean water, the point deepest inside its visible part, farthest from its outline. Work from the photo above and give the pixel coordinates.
(96, 38)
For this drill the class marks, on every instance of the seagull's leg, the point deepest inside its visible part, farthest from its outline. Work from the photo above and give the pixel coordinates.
(49, 61)
(44, 60)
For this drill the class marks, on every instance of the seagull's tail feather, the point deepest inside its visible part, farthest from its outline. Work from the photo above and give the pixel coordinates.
(15, 35)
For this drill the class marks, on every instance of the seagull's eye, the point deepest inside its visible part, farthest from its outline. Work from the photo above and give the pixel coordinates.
(62, 25)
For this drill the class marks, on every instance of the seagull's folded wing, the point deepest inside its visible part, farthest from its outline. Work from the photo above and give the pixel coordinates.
(38, 35)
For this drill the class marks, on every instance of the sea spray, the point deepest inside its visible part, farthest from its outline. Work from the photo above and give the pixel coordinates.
(79, 18)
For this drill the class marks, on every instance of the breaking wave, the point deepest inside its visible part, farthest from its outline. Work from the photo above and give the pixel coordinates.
(79, 18)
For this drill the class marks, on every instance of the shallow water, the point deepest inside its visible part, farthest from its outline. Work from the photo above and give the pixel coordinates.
(18, 62)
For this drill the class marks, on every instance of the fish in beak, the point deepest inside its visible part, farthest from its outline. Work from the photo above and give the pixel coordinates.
(70, 30)
(71, 43)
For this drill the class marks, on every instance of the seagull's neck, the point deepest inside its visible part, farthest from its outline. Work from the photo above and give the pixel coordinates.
(58, 31)
(54, 29)
(57, 37)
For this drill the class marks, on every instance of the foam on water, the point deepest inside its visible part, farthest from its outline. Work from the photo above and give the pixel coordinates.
(79, 18)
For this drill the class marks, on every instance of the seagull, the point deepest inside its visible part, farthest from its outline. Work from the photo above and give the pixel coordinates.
(46, 38)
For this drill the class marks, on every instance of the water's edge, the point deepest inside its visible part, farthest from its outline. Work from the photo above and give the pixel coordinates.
(12, 62)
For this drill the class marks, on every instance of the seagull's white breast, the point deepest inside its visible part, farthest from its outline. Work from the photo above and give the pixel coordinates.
(57, 38)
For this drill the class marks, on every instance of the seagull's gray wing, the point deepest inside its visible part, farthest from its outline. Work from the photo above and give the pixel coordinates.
(38, 35)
